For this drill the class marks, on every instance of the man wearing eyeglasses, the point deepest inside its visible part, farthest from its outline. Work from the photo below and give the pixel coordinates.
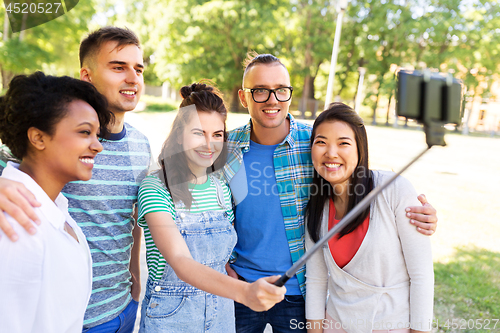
(269, 170)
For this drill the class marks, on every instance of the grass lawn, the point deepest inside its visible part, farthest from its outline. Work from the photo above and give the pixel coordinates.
(157, 104)
(467, 292)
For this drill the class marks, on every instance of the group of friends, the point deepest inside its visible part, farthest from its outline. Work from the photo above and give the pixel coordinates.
(226, 213)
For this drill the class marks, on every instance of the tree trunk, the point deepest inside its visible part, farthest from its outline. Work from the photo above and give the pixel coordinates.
(305, 96)
(307, 66)
(311, 87)
(6, 77)
(22, 34)
(394, 77)
(356, 92)
(235, 105)
(374, 122)
(6, 27)
(388, 109)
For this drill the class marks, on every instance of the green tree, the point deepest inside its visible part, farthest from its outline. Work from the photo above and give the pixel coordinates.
(308, 43)
(476, 56)
(456, 35)
(185, 41)
(383, 29)
(210, 39)
(143, 18)
(51, 47)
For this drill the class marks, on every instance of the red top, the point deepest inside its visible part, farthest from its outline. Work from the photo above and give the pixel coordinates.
(343, 250)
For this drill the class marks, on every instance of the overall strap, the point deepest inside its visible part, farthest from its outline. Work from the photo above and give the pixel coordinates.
(220, 192)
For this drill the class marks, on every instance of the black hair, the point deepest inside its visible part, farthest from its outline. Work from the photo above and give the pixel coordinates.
(40, 101)
(360, 178)
(197, 97)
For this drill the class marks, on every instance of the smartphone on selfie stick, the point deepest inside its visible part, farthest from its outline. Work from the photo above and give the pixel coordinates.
(433, 99)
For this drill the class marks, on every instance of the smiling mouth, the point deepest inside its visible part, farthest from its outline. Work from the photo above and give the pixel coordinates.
(86, 160)
(129, 93)
(332, 165)
(271, 111)
(205, 154)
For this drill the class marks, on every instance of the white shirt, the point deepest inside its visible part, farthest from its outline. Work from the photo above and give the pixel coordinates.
(45, 279)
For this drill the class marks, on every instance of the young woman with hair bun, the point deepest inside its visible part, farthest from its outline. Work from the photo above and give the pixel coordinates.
(187, 216)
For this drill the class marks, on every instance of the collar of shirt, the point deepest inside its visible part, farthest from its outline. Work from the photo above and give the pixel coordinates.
(53, 212)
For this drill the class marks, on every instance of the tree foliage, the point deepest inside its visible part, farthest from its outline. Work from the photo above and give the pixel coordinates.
(185, 41)
(51, 47)
(210, 39)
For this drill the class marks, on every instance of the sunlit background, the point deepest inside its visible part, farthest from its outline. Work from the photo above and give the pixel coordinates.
(185, 41)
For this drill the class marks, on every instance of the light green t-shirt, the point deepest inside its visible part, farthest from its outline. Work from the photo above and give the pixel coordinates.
(154, 197)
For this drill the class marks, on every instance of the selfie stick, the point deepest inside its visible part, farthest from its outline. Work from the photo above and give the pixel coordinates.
(363, 204)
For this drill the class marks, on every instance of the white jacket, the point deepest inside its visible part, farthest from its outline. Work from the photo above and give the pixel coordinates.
(389, 283)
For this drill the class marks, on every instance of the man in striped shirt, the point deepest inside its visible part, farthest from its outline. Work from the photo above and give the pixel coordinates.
(103, 207)
(269, 170)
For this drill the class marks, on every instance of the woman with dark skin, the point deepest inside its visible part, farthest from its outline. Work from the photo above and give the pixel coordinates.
(52, 125)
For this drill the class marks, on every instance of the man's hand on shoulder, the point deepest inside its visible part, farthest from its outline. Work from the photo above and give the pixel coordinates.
(423, 217)
(18, 202)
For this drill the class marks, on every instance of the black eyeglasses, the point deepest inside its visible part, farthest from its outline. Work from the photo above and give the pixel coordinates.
(262, 95)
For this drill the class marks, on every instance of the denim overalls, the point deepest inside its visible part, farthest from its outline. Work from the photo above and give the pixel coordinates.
(170, 304)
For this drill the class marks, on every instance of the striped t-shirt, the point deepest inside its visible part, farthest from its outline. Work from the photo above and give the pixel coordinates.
(5, 156)
(103, 208)
(154, 197)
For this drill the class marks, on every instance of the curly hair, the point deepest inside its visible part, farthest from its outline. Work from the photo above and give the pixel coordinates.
(40, 101)
(197, 97)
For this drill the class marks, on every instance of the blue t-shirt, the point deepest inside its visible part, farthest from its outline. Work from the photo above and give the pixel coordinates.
(262, 248)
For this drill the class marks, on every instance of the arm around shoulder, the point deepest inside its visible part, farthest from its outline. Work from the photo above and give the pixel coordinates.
(18, 202)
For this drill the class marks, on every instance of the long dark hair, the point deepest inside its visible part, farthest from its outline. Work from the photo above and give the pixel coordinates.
(174, 172)
(360, 178)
